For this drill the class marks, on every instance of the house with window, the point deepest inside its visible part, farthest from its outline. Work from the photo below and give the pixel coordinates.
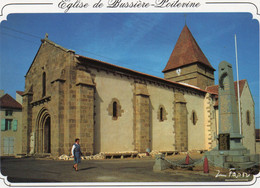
(11, 125)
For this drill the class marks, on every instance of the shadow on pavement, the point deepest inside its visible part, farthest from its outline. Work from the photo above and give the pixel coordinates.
(28, 180)
(81, 169)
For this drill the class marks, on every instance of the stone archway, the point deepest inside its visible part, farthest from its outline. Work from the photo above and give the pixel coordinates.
(43, 132)
(47, 135)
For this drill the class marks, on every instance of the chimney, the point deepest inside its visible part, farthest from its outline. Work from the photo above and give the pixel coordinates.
(2, 92)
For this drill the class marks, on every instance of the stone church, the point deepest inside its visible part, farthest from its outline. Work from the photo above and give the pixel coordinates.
(115, 109)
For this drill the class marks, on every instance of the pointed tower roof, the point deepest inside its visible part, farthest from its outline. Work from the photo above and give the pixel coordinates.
(185, 52)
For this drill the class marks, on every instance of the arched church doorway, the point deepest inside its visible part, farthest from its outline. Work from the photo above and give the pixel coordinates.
(47, 135)
(43, 132)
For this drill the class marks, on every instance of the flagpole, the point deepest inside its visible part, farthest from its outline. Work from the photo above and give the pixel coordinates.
(238, 93)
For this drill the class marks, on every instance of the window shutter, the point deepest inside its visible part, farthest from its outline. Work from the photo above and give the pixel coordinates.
(3, 125)
(14, 125)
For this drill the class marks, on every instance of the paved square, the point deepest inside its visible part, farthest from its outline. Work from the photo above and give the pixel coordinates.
(110, 170)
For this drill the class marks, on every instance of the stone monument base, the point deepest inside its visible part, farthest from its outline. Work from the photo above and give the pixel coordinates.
(160, 164)
(239, 159)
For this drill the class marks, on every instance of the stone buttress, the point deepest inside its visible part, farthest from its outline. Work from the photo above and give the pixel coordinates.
(180, 122)
(142, 117)
(85, 91)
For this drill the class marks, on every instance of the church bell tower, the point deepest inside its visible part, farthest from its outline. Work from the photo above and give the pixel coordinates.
(188, 64)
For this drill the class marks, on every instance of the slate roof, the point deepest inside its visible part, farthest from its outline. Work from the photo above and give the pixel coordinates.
(186, 52)
(214, 89)
(7, 101)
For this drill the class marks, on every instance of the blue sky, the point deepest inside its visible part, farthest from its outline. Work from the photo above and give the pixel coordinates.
(139, 41)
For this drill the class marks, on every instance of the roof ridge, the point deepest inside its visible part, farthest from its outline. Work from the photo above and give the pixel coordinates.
(57, 45)
(51, 43)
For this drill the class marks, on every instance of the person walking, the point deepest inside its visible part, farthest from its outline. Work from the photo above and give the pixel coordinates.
(76, 153)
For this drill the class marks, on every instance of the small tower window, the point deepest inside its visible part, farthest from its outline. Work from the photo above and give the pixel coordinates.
(43, 84)
(248, 117)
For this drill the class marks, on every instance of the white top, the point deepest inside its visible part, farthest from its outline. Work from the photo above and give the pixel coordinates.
(72, 150)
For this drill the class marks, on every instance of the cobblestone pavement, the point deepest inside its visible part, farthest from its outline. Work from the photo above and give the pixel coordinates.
(109, 170)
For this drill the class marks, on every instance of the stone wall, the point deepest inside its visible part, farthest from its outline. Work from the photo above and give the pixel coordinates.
(195, 103)
(26, 122)
(113, 134)
(85, 118)
(142, 129)
(194, 74)
(181, 121)
(205, 77)
(55, 62)
(257, 147)
(187, 75)
(79, 101)
(142, 117)
(163, 135)
(210, 123)
(85, 111)
(248, 128)
(58, 117)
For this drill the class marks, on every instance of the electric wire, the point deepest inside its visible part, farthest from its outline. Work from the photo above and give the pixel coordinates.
(7, 34)
(29, 34)
(142, 69)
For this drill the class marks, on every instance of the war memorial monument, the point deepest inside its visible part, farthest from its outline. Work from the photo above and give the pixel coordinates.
(229, 153)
